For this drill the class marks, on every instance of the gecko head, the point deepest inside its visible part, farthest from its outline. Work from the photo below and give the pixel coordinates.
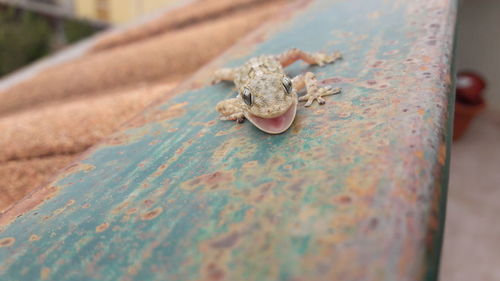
(270, 102)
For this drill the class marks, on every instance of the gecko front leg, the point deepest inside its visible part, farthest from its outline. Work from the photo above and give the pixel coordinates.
(295, 54)
(313, 90)
(226, 74)
(231, 109)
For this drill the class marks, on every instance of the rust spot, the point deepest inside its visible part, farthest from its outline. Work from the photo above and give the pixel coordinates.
(226, 242)
(45, 273)
(232, 129)
(345, 199)
(58, 211)
(152, 214)
(102, 227)
(118, 139)
(333, 80)
(34, 237)
(210, 181)
(148, 202)
(131, 211)
(251, 164)
(7, 242)
(120, 207)
(238, 147)
(214, 273)
(86, 205)
(172, 112)
(77, 167)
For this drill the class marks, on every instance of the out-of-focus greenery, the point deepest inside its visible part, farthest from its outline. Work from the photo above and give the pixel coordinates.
(76, 30)
(24, 37)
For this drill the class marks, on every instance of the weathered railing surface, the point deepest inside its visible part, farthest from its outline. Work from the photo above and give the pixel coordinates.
(355, 190)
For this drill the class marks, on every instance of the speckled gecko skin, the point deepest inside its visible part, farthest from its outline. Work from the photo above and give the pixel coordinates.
(267, 97)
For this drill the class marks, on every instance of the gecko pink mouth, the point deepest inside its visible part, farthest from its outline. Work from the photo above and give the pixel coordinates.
(275, 125)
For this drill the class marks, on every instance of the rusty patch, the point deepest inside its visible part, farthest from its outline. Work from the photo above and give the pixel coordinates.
(214, 273)
(172, 112)
(152, 214)
(120, 207)
(231, 130)
(241, 147)
(148, 202)
(102, 227)
(344, 199)
(219, 179)
(226, 242)
(131, 211)
(250, 164)
(78, 167)
(45, 273)
(7, 242)
(34, 237)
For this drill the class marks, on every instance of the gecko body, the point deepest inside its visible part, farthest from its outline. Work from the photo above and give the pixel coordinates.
(267, 97)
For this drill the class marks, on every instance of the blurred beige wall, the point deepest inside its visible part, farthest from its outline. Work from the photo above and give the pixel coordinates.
(117, 11)
(478, 45)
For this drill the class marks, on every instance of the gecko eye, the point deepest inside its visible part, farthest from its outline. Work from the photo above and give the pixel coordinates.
(287, 84)
(247, 97)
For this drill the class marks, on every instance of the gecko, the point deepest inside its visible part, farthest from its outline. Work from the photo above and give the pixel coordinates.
(266, 96)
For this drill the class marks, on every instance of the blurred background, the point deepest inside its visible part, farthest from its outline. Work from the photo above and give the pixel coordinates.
(56, 108)
(31, 29)
(472, 236)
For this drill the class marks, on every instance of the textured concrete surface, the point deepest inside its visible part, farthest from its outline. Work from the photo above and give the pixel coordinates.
(472, 235)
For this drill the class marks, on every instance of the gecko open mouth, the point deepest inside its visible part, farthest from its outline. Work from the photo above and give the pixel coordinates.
(275, 125)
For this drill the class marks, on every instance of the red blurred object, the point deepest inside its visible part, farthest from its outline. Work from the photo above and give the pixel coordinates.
(470, 87)
(469, 101)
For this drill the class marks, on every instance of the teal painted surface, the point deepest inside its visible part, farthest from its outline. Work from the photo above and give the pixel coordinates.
(352, 191)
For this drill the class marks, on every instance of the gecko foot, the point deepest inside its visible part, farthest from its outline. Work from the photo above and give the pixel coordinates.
(223, 74)
(230, 109)
(322, 59)
(317, 94)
